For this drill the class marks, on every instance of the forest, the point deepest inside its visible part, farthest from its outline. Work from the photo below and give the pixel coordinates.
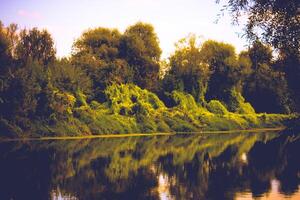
(116, 82)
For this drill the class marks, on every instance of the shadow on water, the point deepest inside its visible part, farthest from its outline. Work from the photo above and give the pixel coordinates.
(212, 166)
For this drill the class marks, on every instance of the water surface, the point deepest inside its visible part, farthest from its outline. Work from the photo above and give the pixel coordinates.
(208, 166)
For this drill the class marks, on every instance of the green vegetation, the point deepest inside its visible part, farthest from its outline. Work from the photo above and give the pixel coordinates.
(113, 83)
(276, 23)
(130, 109)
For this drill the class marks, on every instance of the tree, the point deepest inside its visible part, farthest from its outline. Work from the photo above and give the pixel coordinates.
(276, 22)
(8, 40)
(35, 45)
(19, 97)
(266, 88)
(97, 51)
(102, 43)
(140, 48)
(226, 71)
(187, 71)
(69, 78)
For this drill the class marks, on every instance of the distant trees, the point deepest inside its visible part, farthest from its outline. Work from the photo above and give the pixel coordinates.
(19, 96)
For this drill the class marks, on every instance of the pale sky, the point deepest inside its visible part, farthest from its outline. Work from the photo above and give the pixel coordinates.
(172, 19)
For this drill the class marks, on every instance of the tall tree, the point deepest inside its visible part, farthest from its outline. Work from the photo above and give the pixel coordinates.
(266, 88)
(98, 52)
(276, 22)
(226, 70)
(187, 71)
(140, 47)
(8, 40)
(36, 45)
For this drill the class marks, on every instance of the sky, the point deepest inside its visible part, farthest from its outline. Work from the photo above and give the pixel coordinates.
(66, 20)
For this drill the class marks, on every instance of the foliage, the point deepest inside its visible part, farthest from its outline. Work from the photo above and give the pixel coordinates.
(36, 45)
(130, 99)
(97, 52)
(187, 71)
(184, 101)
(226, 70)
(266, 88)
(217, 107)
(277, 23)
(107, 85)
(238, 103)
(67, 77)
(140, 48)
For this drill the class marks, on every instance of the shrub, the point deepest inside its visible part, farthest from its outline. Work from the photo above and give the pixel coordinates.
(184, 101)
(237, 103)
(216, 107)
(245, 108)
(128, 99)
(80, 99)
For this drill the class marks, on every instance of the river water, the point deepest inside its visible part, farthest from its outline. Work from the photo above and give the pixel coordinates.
(231, 166)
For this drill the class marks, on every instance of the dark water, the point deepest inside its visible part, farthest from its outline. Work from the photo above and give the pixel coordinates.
(216, 166)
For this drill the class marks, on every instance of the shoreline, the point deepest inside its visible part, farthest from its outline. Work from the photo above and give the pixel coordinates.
(135, 135)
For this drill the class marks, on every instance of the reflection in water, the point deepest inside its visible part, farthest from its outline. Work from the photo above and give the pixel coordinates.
(244, 158)
(163, 187)
(217, 166)
(273, 194)
(57, 195)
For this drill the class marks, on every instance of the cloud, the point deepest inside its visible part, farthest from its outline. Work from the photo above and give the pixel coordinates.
(29, 14)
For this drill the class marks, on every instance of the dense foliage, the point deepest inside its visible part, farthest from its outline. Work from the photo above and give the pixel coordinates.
(112, 83)
(276, 22)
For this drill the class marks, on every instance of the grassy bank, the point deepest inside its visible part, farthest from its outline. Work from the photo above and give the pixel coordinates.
(129, 109)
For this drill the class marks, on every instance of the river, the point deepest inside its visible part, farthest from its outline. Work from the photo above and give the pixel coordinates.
(228, 166)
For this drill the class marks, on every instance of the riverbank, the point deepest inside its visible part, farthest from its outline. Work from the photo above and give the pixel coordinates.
(129, 109)
(139, 135)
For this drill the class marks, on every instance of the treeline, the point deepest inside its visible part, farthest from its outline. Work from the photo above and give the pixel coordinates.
(37, 86)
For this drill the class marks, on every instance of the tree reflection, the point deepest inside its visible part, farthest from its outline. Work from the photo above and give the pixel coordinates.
(216, 166)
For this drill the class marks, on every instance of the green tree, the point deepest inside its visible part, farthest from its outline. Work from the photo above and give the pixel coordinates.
(8, 40)
(69, 78)
(35, 45)
(227, 71)
(140, 48)
(97, 51)
(187, 71)
(266, 88)
(19, 97)
(277, 23)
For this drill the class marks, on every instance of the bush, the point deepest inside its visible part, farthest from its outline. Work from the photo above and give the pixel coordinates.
(245, 108)
(129, 99)
(184, 101)
(80, 99)
(237, 103)
(217, 107)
